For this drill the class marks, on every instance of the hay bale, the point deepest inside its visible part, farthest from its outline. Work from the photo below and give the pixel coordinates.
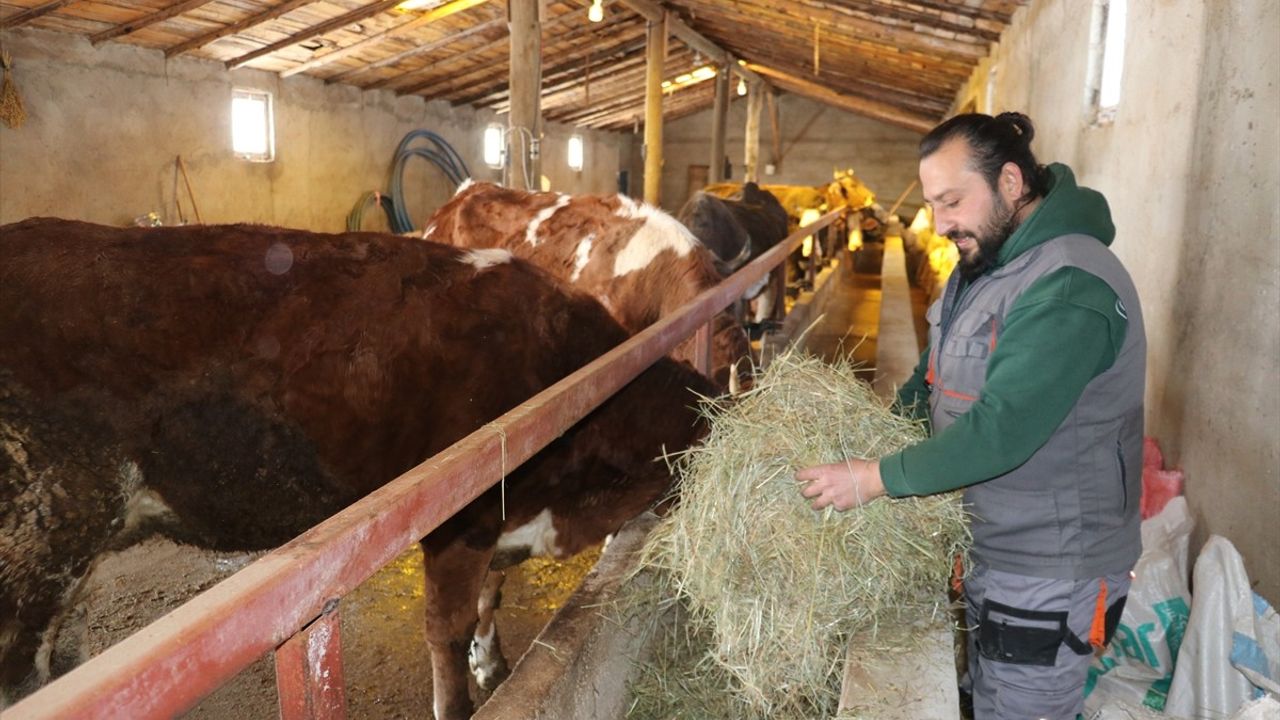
(773, 591)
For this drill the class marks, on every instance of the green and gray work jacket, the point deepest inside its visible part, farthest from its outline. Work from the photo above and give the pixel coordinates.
(1034, 379)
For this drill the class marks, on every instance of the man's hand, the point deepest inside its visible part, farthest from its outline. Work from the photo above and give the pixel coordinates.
(842, 485)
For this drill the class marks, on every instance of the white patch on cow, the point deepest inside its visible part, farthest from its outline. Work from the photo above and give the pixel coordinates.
(751, 292)
(764, 303)
(538, 535)
(581, 256)
(463, 187)
(658, 233)
(482, 659)
(531, 235)
(142, 505)
(483, 258)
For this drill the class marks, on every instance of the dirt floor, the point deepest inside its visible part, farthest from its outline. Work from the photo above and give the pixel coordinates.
(388, 672)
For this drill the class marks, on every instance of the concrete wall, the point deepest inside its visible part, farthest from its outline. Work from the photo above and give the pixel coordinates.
(815, 139)
(1191, 167)
(104, 126)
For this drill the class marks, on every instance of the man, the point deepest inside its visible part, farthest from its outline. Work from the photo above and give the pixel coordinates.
(1033, 383)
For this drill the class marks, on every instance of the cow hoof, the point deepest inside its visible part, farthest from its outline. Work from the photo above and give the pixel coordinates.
(488, 667)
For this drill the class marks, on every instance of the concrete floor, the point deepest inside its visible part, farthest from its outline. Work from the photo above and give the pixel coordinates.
(852, 321)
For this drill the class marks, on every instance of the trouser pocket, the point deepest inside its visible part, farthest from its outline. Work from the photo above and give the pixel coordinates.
(1020, 637)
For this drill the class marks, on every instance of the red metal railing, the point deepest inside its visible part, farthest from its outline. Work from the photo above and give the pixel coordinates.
(287, 601)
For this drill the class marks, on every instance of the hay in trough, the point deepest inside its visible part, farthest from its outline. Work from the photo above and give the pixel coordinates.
(771, 591)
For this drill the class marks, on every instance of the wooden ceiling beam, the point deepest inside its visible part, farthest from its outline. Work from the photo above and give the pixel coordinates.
(910, 16)
(30, 14)
(653, 11)
(619, 94)
(632, 97)
(555, 74)
(977, 13)
(886, 64)
(805, 12)
(868, 79)
(438, 12)
(447, 40)
(906, 99)
(627, 51)
(679, 104)
(867, 108)
(341, 21)
(200, 41)
(135, 25)
(492, 75)
(411, 82)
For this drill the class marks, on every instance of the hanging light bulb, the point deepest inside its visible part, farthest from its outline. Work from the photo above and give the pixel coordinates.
(596, 12)
(742, 86)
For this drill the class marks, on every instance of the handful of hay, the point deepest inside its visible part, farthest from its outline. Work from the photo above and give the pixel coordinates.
(772, 591)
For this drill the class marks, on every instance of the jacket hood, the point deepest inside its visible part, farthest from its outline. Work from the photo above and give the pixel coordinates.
(1067, 209)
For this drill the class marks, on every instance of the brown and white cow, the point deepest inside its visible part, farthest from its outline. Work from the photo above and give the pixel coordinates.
(640, 262)
(232, 386)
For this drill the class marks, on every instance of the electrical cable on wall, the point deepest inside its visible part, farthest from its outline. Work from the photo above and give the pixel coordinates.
(528, 154)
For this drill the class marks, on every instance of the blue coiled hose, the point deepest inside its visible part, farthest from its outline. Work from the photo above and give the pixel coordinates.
(442, 155)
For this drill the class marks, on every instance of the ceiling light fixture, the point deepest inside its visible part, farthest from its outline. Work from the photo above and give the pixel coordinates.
(596, 12)
(742, 86)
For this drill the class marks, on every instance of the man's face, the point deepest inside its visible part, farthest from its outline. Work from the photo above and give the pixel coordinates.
(965, 208)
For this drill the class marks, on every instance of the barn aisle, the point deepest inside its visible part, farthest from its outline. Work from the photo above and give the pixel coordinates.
(876, 317)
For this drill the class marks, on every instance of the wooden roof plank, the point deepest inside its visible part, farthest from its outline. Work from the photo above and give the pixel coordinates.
(440, 11)
(236, 27)
(30, 14)
(570, 65)
(868, 108)
(453, 83)
(135, 25)
(341, 21)
(447, 40)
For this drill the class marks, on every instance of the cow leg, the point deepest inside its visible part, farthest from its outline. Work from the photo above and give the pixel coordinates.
(486, 659)
(455, 574)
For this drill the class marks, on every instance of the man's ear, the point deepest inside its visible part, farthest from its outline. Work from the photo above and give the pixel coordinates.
(1011, 183)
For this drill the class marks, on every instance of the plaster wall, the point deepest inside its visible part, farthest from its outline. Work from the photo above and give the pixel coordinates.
(1191, 167)
(104, 126)
(815, 140)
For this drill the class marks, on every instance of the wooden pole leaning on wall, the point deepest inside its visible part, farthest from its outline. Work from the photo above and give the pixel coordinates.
(751, 155)
(719, 124)
(524, 129)
(656, 58)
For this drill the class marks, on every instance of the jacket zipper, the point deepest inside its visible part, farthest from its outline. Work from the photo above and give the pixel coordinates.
(1124, 475)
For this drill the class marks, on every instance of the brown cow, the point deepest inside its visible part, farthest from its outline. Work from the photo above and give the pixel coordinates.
(637, 260)
(232, 386)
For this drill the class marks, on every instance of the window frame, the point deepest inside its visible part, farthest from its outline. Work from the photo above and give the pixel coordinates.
(269, 121)
(1107, 41)
(577, 140)
(496, 131)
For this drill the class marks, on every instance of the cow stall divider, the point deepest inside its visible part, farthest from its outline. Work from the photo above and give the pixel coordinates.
(288, 601)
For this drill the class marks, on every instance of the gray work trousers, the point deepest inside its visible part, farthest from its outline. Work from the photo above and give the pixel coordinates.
(1020, 667)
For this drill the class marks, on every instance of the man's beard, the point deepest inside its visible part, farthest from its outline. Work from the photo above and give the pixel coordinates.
(993, 234)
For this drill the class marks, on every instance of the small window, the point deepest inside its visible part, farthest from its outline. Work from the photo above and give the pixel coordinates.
(494, 152)
(252, 125)
(575, 152)
(1106, 59)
